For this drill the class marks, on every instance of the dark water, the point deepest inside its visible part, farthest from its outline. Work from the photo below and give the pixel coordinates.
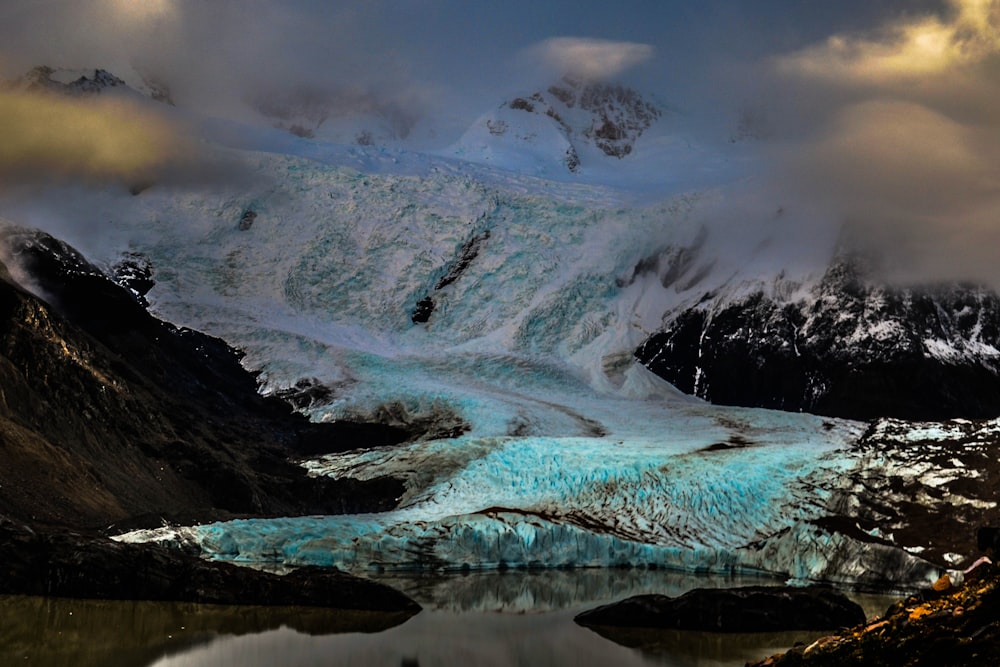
(501, 619)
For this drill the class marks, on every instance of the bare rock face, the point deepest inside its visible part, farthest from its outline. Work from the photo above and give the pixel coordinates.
(620, 114)
(851, 348)
(464, 257)
(749, 609)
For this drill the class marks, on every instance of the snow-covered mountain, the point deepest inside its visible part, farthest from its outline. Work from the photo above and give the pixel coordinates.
(88, 82)
(845, 345)
(570, 123)
(505, 306)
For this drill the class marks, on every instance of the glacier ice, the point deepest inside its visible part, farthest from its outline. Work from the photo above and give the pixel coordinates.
(583, 502)
(575, 456)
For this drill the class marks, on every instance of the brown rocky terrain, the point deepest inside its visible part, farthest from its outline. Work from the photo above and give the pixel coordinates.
(953, 626)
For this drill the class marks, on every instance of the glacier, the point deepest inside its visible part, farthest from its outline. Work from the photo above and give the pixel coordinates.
(573, 455)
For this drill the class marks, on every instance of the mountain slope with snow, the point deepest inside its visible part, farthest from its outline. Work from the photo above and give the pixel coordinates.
(502, 307)
(569, 126)
(844, 346)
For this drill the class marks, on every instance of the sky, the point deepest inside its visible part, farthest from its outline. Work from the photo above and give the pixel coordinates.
(213, 52)
(883, 113)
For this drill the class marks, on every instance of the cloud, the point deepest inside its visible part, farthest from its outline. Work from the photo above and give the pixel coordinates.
(212, 53)
(590, 58)
(133, 12)
(908, 50)
(912, 183)
(47, 138)
(889, 123)
(894, 133)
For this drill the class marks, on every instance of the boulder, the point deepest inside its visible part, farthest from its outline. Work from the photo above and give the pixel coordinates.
(747, 609)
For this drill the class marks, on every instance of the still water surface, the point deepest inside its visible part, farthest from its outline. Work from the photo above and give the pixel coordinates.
(489, 619)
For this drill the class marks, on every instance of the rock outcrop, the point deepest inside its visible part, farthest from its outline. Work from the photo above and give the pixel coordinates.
(421, 314)
(619, 114)
(747, 609)
(564, 124)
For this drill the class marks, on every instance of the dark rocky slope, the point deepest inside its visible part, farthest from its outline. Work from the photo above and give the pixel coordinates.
(110, 418)
(108, 415)
(850, 348)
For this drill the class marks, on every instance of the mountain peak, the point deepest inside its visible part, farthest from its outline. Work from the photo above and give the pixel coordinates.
(618, 114)
(74, 82)
(563, 123)
(83, 82)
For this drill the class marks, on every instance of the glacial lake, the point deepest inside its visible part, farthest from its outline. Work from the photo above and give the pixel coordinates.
(483, 619)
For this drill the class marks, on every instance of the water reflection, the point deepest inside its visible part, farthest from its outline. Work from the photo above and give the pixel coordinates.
(698, 649)
(84, 633)
(536, 591)
(502, 619)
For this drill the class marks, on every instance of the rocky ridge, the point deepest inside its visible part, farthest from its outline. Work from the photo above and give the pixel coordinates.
(86, 82)
(111, 416)
(111, 419)
(609, 117)
(849, 347)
